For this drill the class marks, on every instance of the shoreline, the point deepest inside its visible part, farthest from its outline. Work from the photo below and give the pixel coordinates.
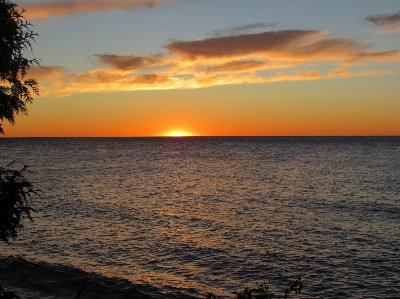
(42, 280)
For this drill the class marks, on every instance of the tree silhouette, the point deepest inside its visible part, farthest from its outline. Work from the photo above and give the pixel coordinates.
(15, 196)
(15, 38)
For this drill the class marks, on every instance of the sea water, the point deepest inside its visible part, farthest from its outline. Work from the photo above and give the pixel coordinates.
(180, 217)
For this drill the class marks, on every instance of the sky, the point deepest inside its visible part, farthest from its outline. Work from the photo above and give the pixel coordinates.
(213, 68)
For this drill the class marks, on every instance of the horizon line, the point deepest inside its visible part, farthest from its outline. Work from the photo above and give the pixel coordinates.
(203, 136)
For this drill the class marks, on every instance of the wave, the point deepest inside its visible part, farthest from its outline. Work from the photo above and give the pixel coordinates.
(33, 280)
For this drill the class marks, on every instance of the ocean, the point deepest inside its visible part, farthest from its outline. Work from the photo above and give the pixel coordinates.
(181, 217)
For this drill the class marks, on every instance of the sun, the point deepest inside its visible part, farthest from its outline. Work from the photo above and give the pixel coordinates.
(177, 133)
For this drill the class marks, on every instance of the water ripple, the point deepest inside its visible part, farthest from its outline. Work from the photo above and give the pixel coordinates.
(183, 217)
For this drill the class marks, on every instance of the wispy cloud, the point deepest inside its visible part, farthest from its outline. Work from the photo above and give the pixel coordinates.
(265, 43)
(248, 58)
(387, 23)
(242, 29)
(346, 73)
(236, 66)
(46, 73)
(50, 9)
(128, 62)
(281, 46)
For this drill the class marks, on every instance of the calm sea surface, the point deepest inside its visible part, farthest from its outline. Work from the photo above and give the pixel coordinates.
(186, 216)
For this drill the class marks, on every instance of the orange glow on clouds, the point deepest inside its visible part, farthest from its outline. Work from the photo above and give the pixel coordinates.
(270, 56)
(50, 9)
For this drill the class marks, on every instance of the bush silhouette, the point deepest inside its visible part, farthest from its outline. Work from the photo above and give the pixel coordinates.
(16, 194)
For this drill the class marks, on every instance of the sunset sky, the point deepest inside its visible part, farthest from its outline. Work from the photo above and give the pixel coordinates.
(213, 68)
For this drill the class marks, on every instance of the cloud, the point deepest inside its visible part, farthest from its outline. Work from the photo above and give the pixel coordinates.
(45, 73)
(298, 75)
(346, 73)
(270, 56)
(101, 80)
(386, 23)
(128, 62)
(48, 77)
(237, 66)
(280, 46)
(242, 29)
(50, 9)
(240, 45)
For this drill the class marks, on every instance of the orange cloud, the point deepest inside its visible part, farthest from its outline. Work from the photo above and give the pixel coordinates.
(345, 73)
(237, 66)
(45, 73)
(240, 45)
(250, 58)
(309, 75)
(387, 23)
(300, 45)
(128, 62)
(104, 80)
(51, 9)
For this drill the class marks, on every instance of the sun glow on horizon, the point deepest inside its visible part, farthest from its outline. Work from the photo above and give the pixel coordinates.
(178, 133)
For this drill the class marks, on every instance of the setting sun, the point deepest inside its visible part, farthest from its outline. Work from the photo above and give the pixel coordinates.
(178, 133)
